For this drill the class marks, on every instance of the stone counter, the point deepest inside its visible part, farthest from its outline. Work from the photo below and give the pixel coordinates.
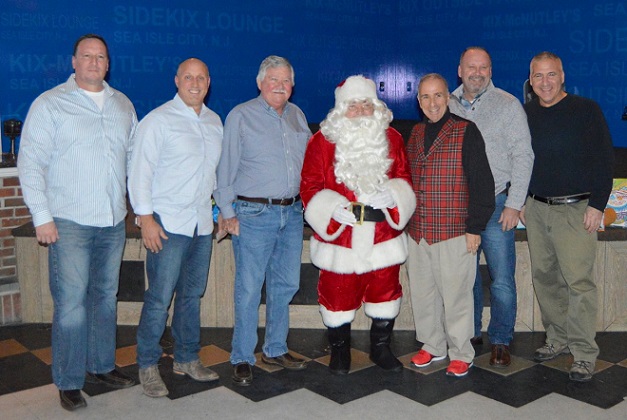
(217, 304)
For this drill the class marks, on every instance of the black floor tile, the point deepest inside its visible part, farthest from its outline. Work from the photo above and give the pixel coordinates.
(404, 342)
(126, 335)
(24, 371)
(4, 389)
(431, 389)
(614, 375)
(613, 346)
(346, 388)
(595, 392)
(31, 336)
(264, 386)
(220, 337)
(309, 343)
(181, 385)
(525, 344)
(515, 390)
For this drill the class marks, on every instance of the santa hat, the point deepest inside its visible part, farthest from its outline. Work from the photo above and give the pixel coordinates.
(355, 87)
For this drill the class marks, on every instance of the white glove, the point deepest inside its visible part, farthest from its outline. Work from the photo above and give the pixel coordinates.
(382, 199)
(344, 216)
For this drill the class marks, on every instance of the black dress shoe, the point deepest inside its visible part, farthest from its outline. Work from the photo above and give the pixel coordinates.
(477, 340)
(286, 361)
(114, 379)
(242, 374)
(71, 399)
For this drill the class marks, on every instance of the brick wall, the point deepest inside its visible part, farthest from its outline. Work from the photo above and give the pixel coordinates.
(13, 213)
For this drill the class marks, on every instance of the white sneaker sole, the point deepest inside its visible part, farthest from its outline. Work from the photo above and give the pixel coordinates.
(433, 359)
(459, 375)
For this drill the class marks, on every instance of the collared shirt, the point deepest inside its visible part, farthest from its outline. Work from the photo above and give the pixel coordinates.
(465, 102)
(262, 153)
(73, 156)
(173, 166)
(503, 125)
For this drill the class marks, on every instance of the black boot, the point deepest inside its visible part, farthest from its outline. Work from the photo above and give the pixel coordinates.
(340, 340)
(380, 337)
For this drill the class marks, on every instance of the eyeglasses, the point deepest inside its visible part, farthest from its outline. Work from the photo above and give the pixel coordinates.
(361, 107)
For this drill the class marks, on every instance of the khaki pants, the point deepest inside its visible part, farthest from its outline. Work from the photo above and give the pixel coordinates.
(441, 277)
(562, 259)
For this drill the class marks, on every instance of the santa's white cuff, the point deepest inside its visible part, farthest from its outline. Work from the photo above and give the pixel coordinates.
(405, 200)
(319, 212)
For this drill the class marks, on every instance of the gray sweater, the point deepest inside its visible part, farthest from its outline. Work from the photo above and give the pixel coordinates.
(503, 125)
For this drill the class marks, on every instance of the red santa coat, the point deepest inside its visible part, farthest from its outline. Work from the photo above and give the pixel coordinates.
(362, 248)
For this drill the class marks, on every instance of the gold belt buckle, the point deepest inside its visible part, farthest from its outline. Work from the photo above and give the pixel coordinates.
(354, 204)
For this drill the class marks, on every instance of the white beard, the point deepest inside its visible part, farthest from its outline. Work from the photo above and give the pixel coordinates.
(361, 152)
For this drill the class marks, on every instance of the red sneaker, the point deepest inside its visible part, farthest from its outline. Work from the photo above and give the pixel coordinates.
(458, 368)
(423, 358)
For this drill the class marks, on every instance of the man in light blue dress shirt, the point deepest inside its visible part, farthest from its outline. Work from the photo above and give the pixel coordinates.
(72, 168)
(258, 195)
(171, 179)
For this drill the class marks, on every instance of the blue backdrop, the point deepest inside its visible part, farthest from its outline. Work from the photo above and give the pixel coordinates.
(393, 42)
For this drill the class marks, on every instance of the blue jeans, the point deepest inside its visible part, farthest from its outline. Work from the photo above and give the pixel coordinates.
(500, 253)
(268, 247)
(182, 266)
(84, 273)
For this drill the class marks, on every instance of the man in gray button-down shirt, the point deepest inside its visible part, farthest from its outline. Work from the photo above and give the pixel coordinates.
(258, 185)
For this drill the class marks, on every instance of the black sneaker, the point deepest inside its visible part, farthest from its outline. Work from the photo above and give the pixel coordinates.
(71, 399)
(114, 379)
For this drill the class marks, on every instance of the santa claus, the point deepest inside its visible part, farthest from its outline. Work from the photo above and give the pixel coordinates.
(356, 188)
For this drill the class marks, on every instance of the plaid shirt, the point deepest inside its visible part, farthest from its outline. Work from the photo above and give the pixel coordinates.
(439, 183)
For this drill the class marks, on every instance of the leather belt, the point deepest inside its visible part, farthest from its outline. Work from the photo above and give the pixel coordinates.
(275, 201)
(365, 213)
(568, 199)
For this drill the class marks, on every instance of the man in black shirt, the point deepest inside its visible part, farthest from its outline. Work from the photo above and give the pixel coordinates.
(569, 188)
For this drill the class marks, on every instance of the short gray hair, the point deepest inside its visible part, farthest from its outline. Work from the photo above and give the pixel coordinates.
(434, 76)
(273, 61)
(545, 55)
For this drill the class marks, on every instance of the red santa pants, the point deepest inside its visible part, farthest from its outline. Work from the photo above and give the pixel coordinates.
(346, 292)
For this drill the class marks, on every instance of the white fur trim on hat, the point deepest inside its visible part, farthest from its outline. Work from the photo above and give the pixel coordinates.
(355, 87)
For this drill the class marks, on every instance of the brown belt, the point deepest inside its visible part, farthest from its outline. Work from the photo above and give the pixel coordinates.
(275, 201)
(568, 199)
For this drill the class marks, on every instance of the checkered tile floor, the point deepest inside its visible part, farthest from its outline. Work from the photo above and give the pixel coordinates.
(25, 358)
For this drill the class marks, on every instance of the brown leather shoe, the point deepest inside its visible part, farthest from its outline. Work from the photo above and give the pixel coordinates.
(500, 357)
(286, 361)
(242, 374)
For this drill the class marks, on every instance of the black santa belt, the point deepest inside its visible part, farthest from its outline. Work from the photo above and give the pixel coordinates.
(365, 213)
